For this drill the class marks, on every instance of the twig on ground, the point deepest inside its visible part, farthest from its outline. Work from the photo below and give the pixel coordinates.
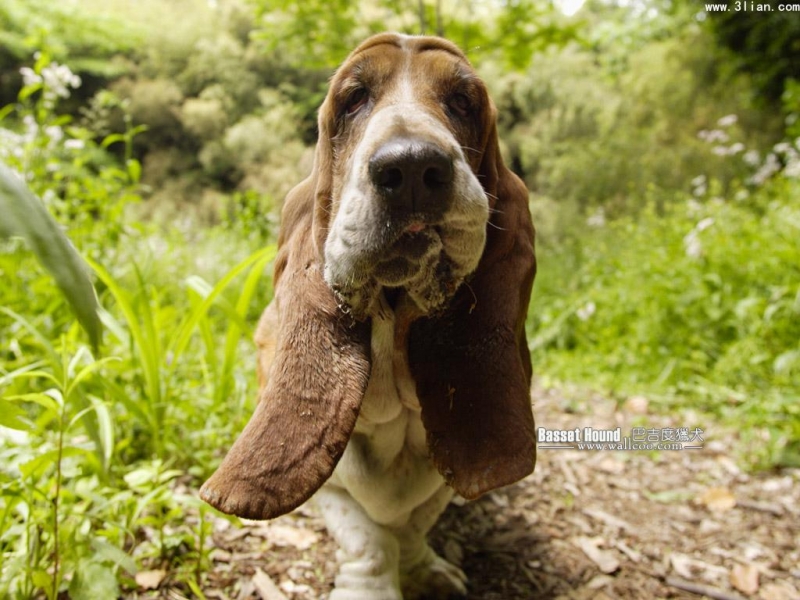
(702, 590)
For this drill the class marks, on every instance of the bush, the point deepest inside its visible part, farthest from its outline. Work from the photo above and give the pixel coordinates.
(699, 301)
(585, 135)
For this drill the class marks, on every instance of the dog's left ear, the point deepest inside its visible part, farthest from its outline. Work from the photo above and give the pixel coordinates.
(471, 363)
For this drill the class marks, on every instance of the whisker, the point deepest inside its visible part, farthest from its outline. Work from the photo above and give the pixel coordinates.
(496, 226)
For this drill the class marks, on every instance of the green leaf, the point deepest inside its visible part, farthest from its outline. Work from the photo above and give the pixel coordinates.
(134, 169)
(42, 579)
(187, 326)
(144, 345)
(105, 426)
(29, 90)
(87, 371)
(36, 466)
(8, 377)
(112, 139)
(13, 417)
(93, 580)
(51, 402)
(105, 552)
(195, 589)
(24, 215)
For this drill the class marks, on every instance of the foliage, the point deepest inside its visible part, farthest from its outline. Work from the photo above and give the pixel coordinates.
(609, 137)
(88, 445)
(764, 43)
(699, 301)
(86, 39)
(24, 216)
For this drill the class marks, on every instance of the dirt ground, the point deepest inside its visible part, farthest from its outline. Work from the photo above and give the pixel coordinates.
(585, 525)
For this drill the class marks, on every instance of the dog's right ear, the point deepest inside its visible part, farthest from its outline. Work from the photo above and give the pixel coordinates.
(309, 406)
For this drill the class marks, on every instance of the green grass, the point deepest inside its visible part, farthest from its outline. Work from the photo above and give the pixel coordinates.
(93, 445)
(697, 306)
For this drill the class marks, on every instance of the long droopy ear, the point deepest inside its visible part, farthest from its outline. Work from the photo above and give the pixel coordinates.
(310, 404)
(471, 364)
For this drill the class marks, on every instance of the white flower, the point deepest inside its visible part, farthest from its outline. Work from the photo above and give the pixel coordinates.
(713, 136)
(29, 76)
(74, 144)
(586, 311)
(768, 169)
(751, 157)
(694, 248)
(692, 244)
(704, 224)
(59, 78)
(792, 169)
(31, 128)
(699, 186)
(727, 120)
(598, 219)
(54, 132)
(736, 148)
(782, 148)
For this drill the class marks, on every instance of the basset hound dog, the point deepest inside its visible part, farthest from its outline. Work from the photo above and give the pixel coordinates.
(393, 363)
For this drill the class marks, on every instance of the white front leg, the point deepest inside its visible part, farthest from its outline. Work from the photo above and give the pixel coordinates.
(368, 555)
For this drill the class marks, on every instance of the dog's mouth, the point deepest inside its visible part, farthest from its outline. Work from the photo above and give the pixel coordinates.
(413, 249)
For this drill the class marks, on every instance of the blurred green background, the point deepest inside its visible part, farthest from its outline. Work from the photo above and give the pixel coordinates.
(660, 141)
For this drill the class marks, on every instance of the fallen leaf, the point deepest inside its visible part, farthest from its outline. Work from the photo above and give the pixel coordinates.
(150, 580)
(780, 590)
(599, 581)
(611, 465)
(745, 578)
(691, 568)
(632, 554)
(709, 526)
(637, 405)
(286, 535)
(265, 587)
(717, 499)
(682, 565)
(610, 520)
(602, 558)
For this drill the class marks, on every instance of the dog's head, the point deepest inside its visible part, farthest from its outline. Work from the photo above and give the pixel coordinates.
(403, 130)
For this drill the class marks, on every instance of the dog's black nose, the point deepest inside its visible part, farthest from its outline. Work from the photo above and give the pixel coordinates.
(413, 175)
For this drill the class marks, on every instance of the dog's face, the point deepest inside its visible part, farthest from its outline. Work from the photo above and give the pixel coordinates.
(406, 118)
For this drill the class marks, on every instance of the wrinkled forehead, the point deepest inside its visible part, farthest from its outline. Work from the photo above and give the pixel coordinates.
(387, 61)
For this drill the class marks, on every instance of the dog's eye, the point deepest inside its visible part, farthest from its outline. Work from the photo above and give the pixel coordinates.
(461, 104)
(356, 100)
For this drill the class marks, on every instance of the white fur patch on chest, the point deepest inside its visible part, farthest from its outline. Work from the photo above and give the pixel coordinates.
(385, 466)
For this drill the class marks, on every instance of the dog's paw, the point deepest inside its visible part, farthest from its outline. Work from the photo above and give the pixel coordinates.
(434, 579)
